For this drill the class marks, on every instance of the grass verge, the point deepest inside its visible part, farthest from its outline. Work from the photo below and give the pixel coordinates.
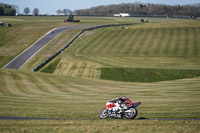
(31, 94)
(146, 74)
(51, 67)
(96, 126)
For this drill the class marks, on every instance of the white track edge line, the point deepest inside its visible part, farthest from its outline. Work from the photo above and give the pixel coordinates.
(41, 47)
(29, 47)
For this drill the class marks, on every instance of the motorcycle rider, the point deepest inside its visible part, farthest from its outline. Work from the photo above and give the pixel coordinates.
(123, 101)
(119, 108)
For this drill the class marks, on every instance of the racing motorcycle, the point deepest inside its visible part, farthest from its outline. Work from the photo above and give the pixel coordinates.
(119, 108)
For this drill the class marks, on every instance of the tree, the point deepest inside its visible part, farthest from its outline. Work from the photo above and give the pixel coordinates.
(59, 12)
(67, 11)
(27, 10)
(35, 11)
(70, 12)
(16, 8)
(1, 11)
(139, 8)
(7, 10)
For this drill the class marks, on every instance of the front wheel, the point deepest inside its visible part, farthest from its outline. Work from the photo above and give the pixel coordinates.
(103, 114)
(131, 114)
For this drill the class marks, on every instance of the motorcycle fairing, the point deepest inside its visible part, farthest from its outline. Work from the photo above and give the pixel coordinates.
(111, 105)
(135, 104)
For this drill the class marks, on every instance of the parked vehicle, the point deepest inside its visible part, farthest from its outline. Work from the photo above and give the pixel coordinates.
(71, 19)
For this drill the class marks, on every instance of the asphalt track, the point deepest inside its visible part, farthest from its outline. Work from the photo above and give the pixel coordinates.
(27, 54)
(39, 118)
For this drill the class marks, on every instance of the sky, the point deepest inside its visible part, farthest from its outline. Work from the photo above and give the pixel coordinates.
(51, 6)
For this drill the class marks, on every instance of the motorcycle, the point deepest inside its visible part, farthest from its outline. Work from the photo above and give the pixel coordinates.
(117, 109)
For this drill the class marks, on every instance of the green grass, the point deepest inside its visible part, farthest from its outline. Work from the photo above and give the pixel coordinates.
(110, 43)
(75, 89)
(30, 94)
(146, 75)
(23, 33)
(159, 45)
(54, 46)
(26, 30)
(111, 126)
(151, 42)
(51, 67)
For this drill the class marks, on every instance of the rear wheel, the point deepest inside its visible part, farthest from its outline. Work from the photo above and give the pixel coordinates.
(131, 114)
(103, 114)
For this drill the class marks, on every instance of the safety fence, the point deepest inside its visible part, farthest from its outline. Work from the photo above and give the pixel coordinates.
(63, 49)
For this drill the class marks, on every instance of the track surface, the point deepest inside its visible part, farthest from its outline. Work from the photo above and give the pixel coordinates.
(26, 55)
(39, 118)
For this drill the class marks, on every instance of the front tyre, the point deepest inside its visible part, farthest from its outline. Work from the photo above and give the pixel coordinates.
(131, 114)
(103, 114)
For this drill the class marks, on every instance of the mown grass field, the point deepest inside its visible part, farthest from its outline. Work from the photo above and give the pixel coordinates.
(110, 126)
(26, 30)
(74, 88)
(23, 33)
(147, 74)
(30, 94)
(166, 45)
(142, 46)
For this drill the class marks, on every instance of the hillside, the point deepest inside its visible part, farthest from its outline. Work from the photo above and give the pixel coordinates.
(73, 85)
(25, 93)
(30, 94)
(159, 47)
(26, 30)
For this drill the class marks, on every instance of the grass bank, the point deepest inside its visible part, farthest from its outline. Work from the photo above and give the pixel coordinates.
(110, 126)
(146, 74)
(30, 94)
(74, 90)
(23, 33)
(26, 30)
(156, 45)
(51, 67)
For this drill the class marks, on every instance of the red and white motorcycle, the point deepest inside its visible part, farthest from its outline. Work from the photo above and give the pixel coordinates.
(119, 108)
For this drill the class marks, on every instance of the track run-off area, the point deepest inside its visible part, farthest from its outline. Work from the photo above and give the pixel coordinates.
(27, 54)
(40, 118)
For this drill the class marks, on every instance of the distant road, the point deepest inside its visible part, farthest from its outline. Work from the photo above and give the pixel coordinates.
(27, 54)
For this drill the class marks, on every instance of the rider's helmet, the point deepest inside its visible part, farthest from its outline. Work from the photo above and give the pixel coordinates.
(123, 97)
(126, 100)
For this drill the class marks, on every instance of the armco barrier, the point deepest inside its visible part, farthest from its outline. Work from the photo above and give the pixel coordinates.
(63, 49)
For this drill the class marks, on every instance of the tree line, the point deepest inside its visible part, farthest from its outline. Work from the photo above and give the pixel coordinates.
(11, 10)
(142, 9)
(134, 9)
(35, 11)
(7, 10)
(64, 12)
